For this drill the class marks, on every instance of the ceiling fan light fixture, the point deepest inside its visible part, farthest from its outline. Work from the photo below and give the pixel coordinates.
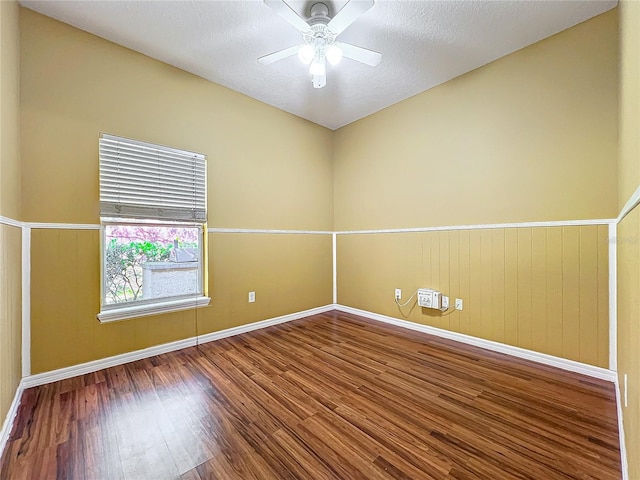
(319, 33)
(306, 53)
(334, 54)
(318, 67)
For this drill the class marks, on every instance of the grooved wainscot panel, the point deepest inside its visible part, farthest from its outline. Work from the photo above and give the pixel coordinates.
(544, 289)
(10, 316)
(289, 273)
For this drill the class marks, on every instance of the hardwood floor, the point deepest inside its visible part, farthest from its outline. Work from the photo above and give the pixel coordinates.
(327, 397)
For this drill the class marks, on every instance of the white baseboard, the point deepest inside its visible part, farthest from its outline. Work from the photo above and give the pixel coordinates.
(570, 365)
(7, 425)
(95, 365)
(624, 465)
(229, 332)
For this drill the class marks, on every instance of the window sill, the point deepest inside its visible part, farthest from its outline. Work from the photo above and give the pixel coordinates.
(124, 313)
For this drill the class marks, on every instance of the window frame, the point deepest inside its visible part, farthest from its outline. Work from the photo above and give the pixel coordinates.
(128, 169)
(146, 307)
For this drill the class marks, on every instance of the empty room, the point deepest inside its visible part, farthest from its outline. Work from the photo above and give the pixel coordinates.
(341, 239)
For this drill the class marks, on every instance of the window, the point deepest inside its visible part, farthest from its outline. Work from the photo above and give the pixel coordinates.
(153, 223)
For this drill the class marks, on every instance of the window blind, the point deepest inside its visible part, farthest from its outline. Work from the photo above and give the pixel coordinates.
(143, 180)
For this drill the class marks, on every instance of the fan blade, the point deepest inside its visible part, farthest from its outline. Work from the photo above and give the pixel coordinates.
(319, 81)
(286, 12)
(279, 55)
(349, 14)
(359, 54)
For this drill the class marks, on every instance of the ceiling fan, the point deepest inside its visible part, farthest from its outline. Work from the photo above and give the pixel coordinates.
(319, 33)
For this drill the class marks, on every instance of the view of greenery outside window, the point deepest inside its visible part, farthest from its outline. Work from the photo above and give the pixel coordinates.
(145, 262)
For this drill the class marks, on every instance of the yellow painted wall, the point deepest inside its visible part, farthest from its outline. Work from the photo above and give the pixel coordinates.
(9, 111)
(529, 137)
(629, 228)
(629, 119)
(544, 289)
(10, 237)
(266, 169)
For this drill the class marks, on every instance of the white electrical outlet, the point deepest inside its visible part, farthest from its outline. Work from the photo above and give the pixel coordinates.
(445, 302)
(252, 297)
(398, 294)
(458, 304)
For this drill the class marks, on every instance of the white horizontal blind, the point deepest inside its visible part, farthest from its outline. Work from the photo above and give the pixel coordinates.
(143, 180)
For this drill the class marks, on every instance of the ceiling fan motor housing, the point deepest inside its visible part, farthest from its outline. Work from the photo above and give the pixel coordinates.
(319, 14)
(319, 35)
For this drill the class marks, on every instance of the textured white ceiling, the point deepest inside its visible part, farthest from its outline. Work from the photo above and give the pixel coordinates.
(424, 43)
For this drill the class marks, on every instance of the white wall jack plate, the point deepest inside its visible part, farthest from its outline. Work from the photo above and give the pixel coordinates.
(445, 302)
(398, 294)
(252, 297)
(458, 304)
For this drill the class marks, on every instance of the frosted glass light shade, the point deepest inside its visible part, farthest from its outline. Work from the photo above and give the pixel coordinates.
(306, 54)
(318, 67)
(334, 54)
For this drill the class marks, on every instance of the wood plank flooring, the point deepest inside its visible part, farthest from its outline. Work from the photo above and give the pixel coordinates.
(333, 396)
